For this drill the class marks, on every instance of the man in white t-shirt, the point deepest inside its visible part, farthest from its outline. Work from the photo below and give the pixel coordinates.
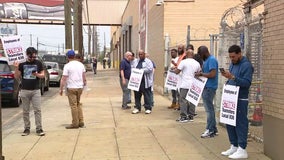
(188, 67)
(74, 79)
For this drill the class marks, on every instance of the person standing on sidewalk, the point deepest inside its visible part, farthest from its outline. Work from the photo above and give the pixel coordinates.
(174, 92)
(95, 64)
(239, 74)
(125, 71)
(74, 79)
(188, 67)
(210, 71)
(31, 72)
(145, 87)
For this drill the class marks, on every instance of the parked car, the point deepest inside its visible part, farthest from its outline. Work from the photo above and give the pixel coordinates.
(60, 59)
(44, 82)
(55, 73)
(10, 86)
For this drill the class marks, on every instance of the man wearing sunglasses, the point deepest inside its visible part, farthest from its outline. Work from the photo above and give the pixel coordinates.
(30, 72)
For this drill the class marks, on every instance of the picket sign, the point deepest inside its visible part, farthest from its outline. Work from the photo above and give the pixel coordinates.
(171, 80)
(135, 79)
(13, 49)
(229, 102)
(194, 93)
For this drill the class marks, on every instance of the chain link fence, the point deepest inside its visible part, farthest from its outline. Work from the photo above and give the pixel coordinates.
(245, 30)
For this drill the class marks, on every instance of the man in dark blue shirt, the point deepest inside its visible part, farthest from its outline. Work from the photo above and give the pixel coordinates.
(239, 74)
(125, 71)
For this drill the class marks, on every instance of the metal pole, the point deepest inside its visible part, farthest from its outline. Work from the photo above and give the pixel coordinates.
(188, 36)
(167, 43)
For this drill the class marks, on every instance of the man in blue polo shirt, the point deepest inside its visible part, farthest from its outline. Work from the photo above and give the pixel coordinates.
(125, 71)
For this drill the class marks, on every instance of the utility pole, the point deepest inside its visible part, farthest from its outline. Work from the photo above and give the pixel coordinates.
(68, 24)
(89, 39)
(31, 40)
(94, 42)
(37, 43)
(78, 35)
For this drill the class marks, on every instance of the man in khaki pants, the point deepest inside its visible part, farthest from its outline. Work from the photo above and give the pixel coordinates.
(74, 79)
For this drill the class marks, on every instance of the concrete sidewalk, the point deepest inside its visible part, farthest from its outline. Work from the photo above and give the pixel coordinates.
(115, 134)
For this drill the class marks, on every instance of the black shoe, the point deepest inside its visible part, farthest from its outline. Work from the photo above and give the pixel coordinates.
(183, 119)
(72, 127)
(128, 102)
(81, 125)
(26, 132)
(40, 132)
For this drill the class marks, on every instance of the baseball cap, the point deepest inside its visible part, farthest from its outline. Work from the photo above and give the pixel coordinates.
(70, 53)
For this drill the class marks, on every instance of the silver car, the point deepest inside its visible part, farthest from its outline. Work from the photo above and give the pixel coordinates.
(55, 73)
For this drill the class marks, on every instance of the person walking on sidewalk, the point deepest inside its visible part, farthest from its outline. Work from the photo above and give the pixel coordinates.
(125, 71)
(188, 67)
(145, 87)
(174, 92)
(95, 64)
(74, 79)
(239, 74)
(31, 72)
(210, 71)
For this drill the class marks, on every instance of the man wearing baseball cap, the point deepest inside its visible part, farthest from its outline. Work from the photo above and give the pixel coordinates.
(74, 79)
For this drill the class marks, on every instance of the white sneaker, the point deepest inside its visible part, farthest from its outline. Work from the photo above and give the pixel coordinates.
(241, 153)
(230, 151)
(205, 133)
(148, 111)
(135, 111)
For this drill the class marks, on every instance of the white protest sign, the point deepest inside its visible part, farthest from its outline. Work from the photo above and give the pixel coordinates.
(135, 79)
(13, 49)
(229, 102)
(171, 80)
(194, 93)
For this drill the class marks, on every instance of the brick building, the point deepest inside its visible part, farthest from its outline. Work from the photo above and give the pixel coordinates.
(273, 78)
(157, 28)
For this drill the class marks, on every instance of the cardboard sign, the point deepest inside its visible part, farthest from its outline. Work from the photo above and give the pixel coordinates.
(194, 93)
(13, 49)
(135, 79)
(171, 80)
(229, 102)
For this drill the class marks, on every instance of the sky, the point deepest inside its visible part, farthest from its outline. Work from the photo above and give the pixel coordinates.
(52, 37)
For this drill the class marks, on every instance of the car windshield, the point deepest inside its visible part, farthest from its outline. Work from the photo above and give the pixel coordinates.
(4, 67)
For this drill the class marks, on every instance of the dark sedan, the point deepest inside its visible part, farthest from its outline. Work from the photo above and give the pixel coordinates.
(10, 86)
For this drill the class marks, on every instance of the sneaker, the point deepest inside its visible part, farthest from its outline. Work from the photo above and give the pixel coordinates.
(126, 107)
(135, 111)
(26, 132)
(148, 111)
(40, 132)
(72, 127)
(239, 154)
(207, 134)
(190, 118)
(183, 119)
(195, 115)
(230, 151)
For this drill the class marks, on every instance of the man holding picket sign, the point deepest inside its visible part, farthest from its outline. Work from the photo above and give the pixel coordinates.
(141, 82)
(240, 75)
(210, 71)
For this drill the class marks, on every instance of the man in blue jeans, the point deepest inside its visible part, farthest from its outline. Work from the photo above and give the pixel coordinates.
(209, 70)
(239, 74)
